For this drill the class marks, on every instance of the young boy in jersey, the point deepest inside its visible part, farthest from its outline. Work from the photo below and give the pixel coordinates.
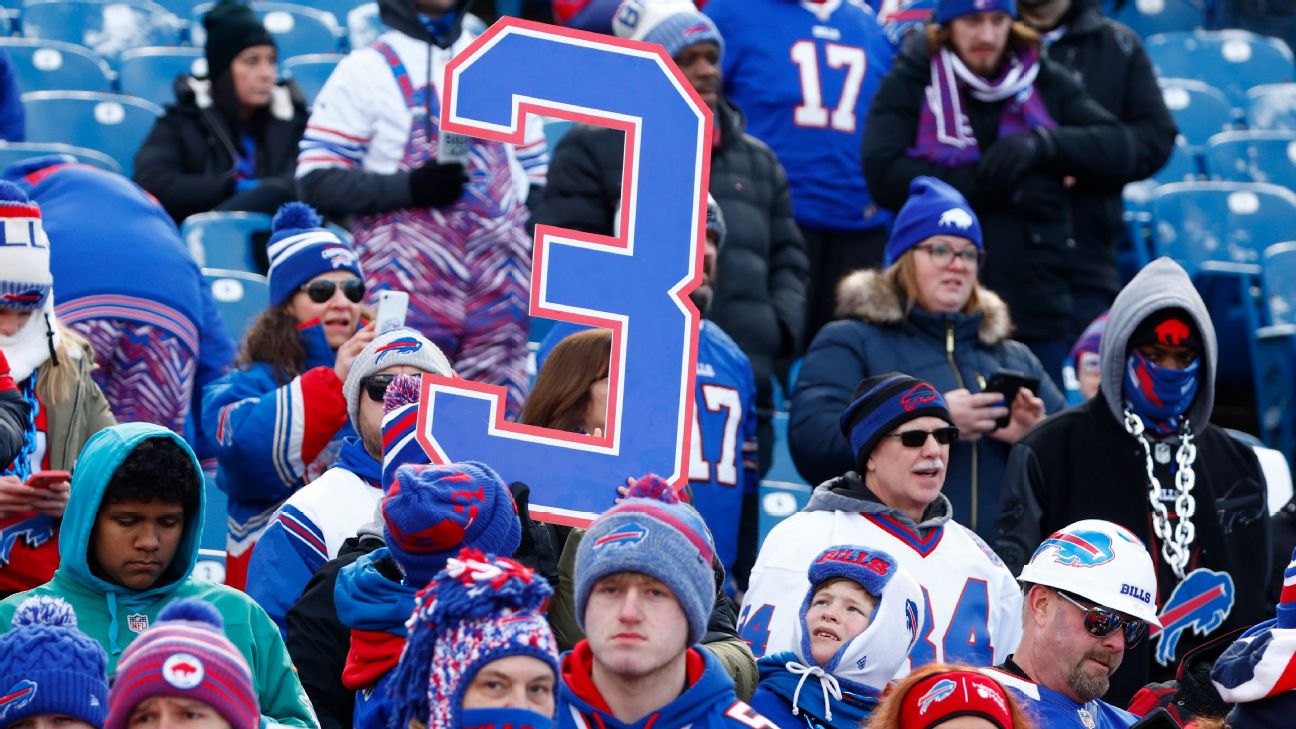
(644, 589)
(128, 543)
(856, 627)
(51, 674)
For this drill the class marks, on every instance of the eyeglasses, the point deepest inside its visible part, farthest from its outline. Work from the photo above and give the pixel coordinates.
(322, 289)
(375, 386)
(1101, 622)
(942, 255)
(917, 438)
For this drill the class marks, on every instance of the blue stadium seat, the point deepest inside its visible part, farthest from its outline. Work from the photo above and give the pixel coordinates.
(108, 29)
(1230, 60)
(363, 26)
(150, 73)
(44, 65)
(310, 72)
(1220, 222)
(240, 296)
(14, 152)
(1253, 157)
(1275, 350)
(111, 123)
(1279, 280)
(224, 240)
(1199, 110)
(554, 129)
(1272, 107)
(782, 492)
(1147, 17)
(297, 29)
(338, 8)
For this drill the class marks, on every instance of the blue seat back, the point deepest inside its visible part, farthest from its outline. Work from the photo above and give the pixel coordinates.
(224, 240)
(1199, 110)
(363, 26)
(1253, 157)
(1149, 18)
(1272, 107)
(111, 123)
(1233, 222)
(150, 73)
(1230, 60)
(44, 65)
(1279, 281)
(310, 72)
(108, 29)
(297, 29)
(15, 152)
(240, 297)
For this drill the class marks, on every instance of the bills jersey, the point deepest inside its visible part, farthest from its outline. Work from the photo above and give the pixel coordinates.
(1052, 709)
(804, 74)
(972, 610)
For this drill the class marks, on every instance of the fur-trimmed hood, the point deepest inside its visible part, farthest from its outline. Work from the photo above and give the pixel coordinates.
(868, 296)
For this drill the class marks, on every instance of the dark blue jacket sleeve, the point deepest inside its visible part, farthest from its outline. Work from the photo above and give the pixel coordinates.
(13, 126)
(833, 366)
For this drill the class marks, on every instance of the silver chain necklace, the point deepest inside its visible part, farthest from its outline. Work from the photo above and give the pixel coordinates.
(1176, 541)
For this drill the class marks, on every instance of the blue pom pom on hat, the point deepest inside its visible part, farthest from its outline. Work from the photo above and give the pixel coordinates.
(48, 666)
(301, 248)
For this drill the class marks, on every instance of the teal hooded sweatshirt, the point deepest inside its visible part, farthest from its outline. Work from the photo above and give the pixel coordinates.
(115, 615)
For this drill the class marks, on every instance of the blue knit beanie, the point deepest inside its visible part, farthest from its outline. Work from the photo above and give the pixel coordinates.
(48, 666)
(674, 24)
(881, 403)
(301, 248)
(431, 512)
(933, 208)
(653, 533)
(947, 10)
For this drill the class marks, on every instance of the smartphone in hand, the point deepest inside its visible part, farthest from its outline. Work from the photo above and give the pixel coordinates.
(45, 479)
(1008, 383)
(392, 308)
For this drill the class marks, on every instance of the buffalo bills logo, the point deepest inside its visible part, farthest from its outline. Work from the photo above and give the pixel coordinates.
(942, 690)
(338, 257)
(1171, 332)
(182, 670)
(631, 533)
(955, 218)
(35, 531)
(404, 345)
(25, 296)
(911, 621)
(920, 394)
(697, 29)
(1202, 602)
(1078, 549)
(18, 696)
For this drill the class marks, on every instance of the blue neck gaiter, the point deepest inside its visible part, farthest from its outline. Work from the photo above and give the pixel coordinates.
(1158, 395)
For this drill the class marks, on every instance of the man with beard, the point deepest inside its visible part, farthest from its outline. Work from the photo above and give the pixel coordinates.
(1090, 591)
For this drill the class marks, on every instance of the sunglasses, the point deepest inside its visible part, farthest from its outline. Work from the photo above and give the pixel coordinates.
(376, 386)
(322, 289)
(1101, 622)
(916, 438)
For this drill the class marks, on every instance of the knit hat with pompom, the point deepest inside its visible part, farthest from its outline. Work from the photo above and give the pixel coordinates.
(301, 248)
(48, 666)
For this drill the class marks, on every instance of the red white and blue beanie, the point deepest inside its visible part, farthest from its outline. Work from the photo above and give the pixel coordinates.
(401, 346)
(933, 207)
(653, 533)
(881, 403)
(1258, 672)
(400, 427)
(25, 278)
(301, 248)
(483, 608)
(947, 10)
(867, 663)
(431, 512)
(185, 655)
(48, 666)
(673, 24)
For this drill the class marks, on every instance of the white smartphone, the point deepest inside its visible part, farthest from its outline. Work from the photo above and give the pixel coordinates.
(452, 147)
(392, 306)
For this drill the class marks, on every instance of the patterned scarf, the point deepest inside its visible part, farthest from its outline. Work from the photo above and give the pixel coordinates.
(1159, 395)
(944, 132)
(21, 466)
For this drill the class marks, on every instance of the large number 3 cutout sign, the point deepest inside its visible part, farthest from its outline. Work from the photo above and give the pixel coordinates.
(636, 283)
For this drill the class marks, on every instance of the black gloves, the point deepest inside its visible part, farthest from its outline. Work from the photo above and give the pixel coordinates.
(1009, 159)
(436, 184)
(1039, 196)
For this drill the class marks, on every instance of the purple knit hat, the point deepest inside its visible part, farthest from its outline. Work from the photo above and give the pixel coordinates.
(431, 512)
(185, 655)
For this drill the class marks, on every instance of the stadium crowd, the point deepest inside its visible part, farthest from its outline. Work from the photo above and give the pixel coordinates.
(913, 230)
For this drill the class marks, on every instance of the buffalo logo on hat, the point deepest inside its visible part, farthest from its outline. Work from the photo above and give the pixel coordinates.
(137, 622)
(956, 217)
(920, 394)
(404, 345)
(183, 670)
(943, 689)
(631, 533)
(1172, 332)
(338, 256)
(18, 696)
(26, 296)
(1079, 548)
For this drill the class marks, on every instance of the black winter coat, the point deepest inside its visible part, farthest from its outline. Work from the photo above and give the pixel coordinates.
(1096, 470)
(1113, 66)
(762, 268)
(13, 424)
(188, 160)
(1030, 249)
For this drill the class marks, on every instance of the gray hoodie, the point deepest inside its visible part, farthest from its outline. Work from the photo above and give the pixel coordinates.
(1162, 284)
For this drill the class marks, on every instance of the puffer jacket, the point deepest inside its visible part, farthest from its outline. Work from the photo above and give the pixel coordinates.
(950, 351)
(188, 162)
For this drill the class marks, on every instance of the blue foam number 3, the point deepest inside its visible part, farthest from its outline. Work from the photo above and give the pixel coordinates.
(636, 283)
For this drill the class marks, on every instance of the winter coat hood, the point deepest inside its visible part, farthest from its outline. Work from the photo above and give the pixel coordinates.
(867, 295)
(1162, 284)
(849, 493)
